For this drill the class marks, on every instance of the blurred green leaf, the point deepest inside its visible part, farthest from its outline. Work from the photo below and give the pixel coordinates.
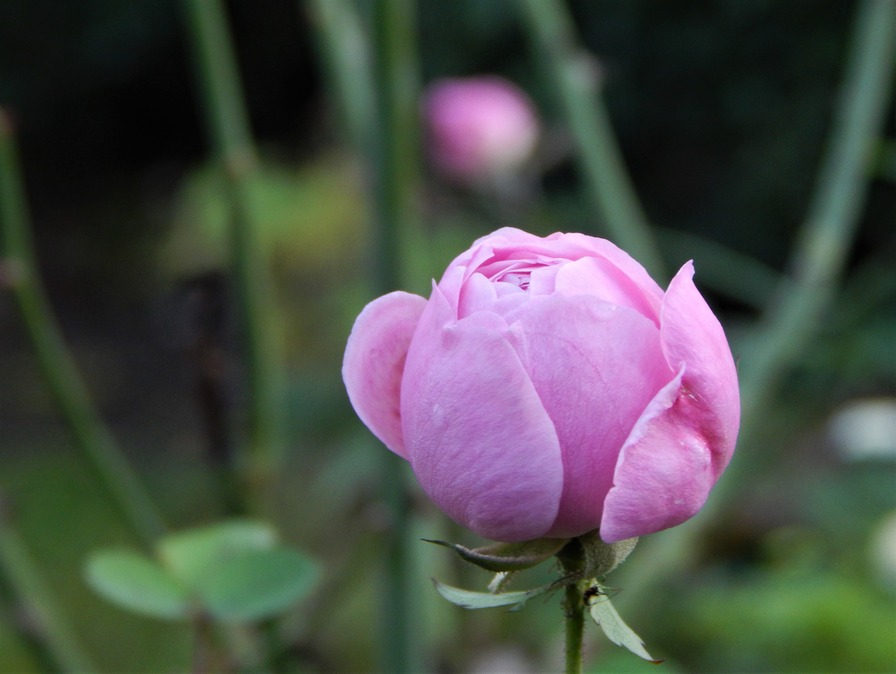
(137, 583)
(192, 555)
(257, 584)
(308, 218)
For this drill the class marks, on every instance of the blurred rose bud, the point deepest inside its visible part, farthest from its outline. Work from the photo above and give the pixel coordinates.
(549, 387)
(478, 129)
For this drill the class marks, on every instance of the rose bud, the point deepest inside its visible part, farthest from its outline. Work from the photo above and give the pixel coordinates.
(478, 128)
(548, 388)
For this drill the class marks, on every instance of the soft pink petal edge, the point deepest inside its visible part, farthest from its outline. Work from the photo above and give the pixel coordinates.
(664, 471)
(685, 438)
(374, 362)
(690, 333)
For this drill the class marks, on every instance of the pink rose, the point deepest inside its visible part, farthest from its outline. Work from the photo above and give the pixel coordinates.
(549, 387)
(478, 127)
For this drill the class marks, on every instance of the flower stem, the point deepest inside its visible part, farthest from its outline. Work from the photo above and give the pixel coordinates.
(842, 185)
(228, 128)
(607, 184)
(394, 159)
(91, 435)
(345, 52)
(574, 606)
(52, 632)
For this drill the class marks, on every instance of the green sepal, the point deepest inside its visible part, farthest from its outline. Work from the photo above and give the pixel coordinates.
(588, 556)
(475, 600)
(604, 614)
(503, 557)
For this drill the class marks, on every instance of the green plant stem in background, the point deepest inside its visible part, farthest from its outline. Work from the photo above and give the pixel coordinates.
(345, 51)
(576, 75)
(574, 605)
(825, 238)
(229, 132)
(395, 163)
(722, 269)
(793, 318)
(50, 628)
(18, 267)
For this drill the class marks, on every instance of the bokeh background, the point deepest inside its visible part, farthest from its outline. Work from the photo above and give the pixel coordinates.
(722, 111)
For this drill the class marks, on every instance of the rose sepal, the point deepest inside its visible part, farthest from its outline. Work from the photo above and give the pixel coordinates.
(508, 557)
(476, 600)
(604, 614)
(588, 556)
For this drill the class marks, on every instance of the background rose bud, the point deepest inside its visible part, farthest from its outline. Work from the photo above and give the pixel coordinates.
(479, 127)
(549, 387)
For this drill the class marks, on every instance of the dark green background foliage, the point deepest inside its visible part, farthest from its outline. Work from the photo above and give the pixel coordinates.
(722, 110)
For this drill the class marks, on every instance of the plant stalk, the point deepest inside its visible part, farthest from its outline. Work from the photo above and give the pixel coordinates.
(395, 161)
(576, 75)
(574, 606)
(70, 394)
(228, 128)
(345, 52)
(51, 630)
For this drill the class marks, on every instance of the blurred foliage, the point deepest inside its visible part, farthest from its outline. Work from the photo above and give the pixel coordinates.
(721, 109)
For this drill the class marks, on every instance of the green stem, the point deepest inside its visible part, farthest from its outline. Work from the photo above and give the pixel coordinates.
(575, 74)
(54, 633)
(818, 260)
(345, 52)
(57, 364)
(722, 269)
(574, 607)
(395, 163)
(228, 128)
(842, 185)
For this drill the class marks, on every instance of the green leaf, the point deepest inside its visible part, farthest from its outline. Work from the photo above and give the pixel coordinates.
(474, 600)
(135, 582)
(192, 555)
(604, 614)
(501, 557)
(256, 584)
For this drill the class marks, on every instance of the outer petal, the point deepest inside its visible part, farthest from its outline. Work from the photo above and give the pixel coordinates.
(664, 472)
(595, 367)
(478, 438)
(687, 434)
(691, 334)
(374, 362)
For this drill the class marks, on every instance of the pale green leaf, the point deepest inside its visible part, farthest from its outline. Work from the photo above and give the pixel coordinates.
(138, 583)
(257, 584)
(475, 600)
(191, 555)
(604, 614)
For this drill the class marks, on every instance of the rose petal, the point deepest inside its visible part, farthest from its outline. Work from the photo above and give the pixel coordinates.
(477, 293)
(478, 438)
(599, 277)
(686, 435)
(374, 361)
(664, 472)
(595, 367)
(691, 334)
